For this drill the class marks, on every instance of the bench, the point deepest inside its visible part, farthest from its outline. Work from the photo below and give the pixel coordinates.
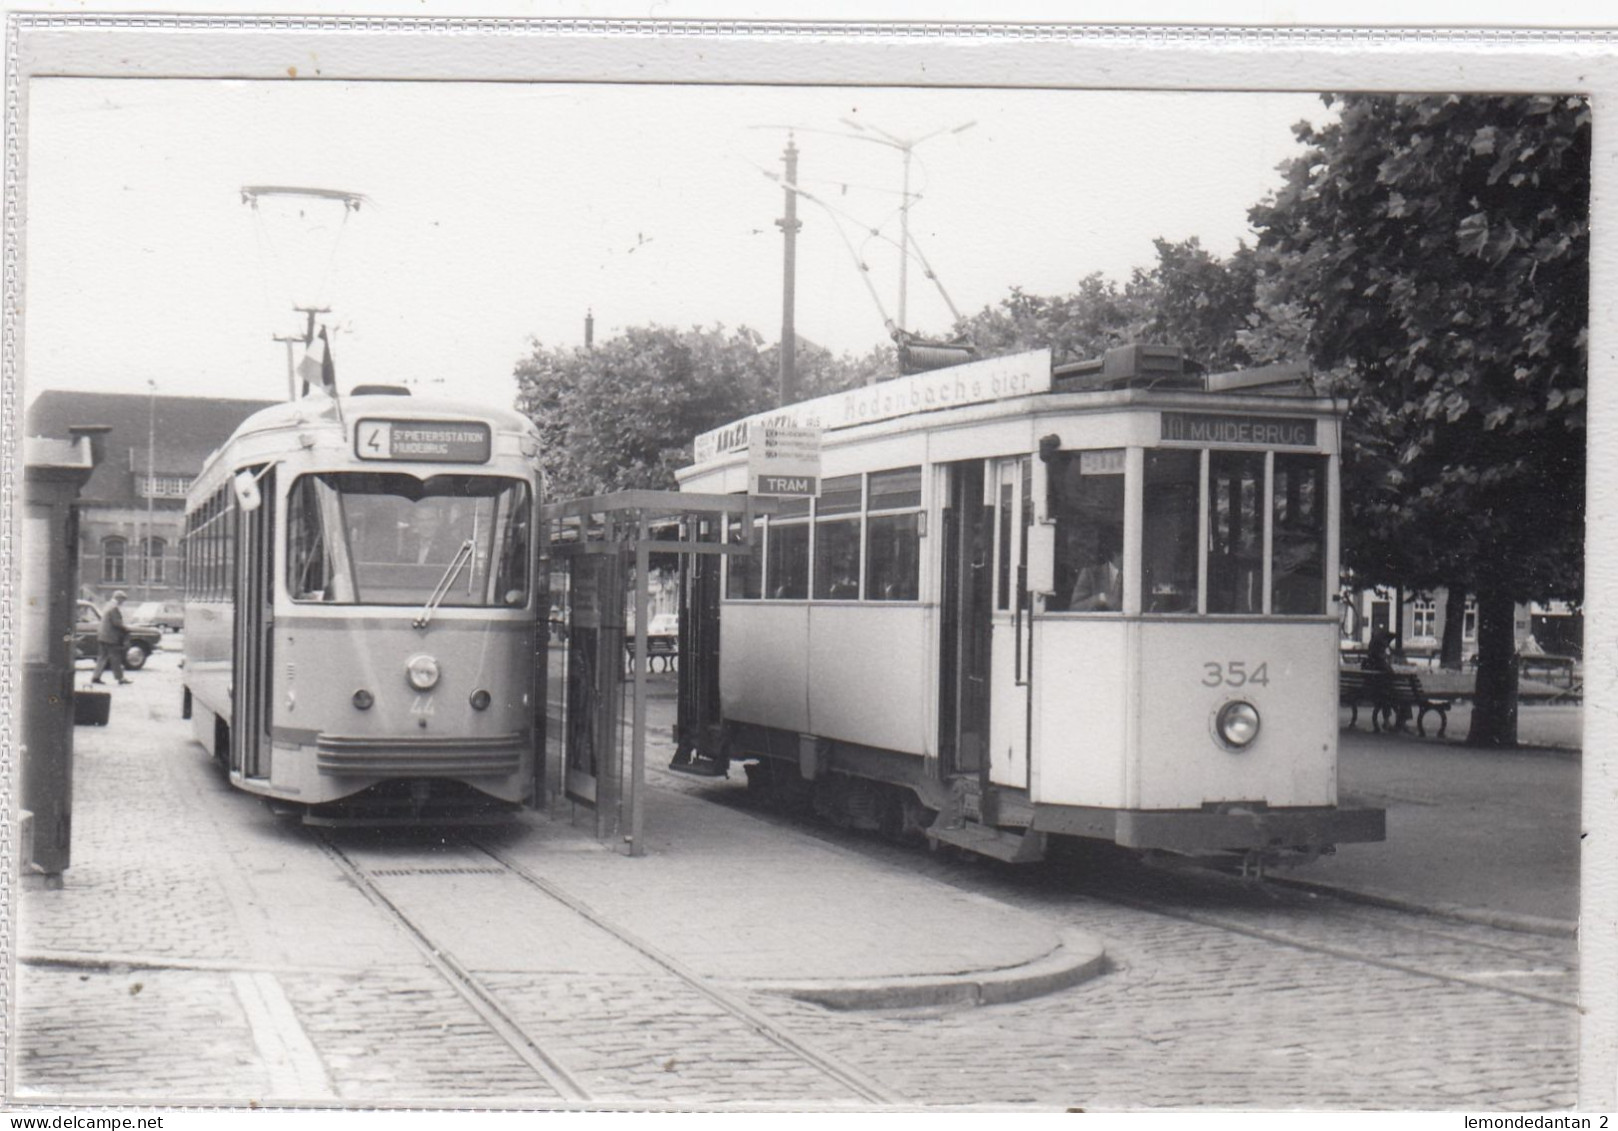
(1385, 693)
(662, 652)
(1548, 666)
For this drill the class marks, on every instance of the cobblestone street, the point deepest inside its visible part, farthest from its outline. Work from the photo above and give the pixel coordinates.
(204, 951)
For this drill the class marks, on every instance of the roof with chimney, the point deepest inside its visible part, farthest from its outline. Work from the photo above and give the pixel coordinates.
(184, 430)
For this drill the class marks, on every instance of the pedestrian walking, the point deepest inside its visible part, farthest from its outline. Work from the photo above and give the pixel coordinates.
(111, 639)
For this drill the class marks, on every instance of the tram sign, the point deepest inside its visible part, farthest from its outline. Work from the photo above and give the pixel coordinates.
(1231, 428)
(433, 441)
(783, 460)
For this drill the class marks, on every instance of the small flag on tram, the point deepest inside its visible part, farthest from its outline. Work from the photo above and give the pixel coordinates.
(316, 368)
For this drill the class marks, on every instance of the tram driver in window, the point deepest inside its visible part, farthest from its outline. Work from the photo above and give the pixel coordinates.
(1100, 585)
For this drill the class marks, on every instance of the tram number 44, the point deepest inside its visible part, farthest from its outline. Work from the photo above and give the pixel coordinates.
(1235, 673)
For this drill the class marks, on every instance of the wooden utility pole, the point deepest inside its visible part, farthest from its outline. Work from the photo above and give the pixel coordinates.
(789, 225)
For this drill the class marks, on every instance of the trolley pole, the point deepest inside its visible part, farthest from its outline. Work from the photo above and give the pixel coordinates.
(292, 374)
(789, 225)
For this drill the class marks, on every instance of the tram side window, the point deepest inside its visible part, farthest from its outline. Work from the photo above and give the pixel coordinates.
(308, 566)
(837, 539)
(1298, 538)
(511, 544)
(1087, 503)
(893, 535)
(786, 573)
(1169, 532)
(1235, 532)
(743, 577)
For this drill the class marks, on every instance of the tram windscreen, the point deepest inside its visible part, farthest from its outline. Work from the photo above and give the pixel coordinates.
(385, 538)
(1087, 504)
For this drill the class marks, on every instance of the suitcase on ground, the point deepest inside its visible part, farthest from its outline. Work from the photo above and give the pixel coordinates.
(91, 708)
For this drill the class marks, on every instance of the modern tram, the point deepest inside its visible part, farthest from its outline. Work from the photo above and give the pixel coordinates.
(361, 593)
(1022, 602)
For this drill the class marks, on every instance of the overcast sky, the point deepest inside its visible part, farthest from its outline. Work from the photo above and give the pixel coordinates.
(499, 212)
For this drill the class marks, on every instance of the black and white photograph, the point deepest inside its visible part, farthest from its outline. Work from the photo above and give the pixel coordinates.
(661, 566)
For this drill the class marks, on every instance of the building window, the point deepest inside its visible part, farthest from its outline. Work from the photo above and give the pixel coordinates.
(112, 559)
(1423, 619)
(153, 551)
(162, 486)
(1469, 621)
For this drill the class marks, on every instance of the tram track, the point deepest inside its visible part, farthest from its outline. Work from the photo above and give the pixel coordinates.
(1469, 944)
(1354, 954)
(502, 1020)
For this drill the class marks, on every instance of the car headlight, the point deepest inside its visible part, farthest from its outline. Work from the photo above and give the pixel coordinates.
(423, 672)
(1237, 724)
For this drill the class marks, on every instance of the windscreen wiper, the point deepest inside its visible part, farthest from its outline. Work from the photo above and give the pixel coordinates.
(451, 572)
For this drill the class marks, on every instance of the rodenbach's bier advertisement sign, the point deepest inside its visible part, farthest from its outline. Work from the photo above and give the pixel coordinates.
(996, 379)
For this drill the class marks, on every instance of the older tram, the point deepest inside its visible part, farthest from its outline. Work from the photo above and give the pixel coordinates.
(360, 607)
(1094, 600)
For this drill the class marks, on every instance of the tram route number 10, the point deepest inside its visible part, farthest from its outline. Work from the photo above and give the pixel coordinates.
(1234, 673)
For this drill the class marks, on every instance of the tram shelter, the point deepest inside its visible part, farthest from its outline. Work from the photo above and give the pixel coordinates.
(601, 555)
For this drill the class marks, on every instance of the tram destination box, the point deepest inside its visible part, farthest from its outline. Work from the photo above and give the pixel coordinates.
(433, 441)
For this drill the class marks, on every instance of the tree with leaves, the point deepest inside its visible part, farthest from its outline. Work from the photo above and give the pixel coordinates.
(1190, 298)
(622, 414)
(1432, 252)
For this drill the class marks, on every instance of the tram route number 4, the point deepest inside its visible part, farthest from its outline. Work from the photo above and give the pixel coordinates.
(1234, 673)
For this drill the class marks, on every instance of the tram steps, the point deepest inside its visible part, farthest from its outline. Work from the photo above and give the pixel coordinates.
(1010, 847)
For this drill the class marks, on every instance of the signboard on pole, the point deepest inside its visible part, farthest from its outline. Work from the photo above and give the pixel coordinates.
(783, 460)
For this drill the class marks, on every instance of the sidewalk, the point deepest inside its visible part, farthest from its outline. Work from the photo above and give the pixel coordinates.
(192, 927)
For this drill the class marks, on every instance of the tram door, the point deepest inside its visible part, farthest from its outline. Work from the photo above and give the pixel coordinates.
(253, 652)
(965, 624)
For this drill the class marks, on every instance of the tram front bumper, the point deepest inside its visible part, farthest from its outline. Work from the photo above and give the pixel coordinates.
(1236, 828)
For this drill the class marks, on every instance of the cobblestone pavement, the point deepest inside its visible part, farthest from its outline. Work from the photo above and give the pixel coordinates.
(1228, 994)
(203, 951)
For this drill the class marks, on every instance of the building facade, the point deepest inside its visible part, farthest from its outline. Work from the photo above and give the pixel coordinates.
(1552, 627)
(132, 511)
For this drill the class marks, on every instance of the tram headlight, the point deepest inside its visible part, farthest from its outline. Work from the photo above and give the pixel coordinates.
(422, 671)
(1237, 724)
(363, 700)
(480, 700)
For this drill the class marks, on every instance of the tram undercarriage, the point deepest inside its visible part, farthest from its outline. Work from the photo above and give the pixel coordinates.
(891, 794)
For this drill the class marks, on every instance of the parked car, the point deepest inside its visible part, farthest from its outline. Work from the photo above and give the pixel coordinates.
(144, 639)
(169, 616)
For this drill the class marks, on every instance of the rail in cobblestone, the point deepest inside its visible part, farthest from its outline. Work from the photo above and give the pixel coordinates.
(498, 1005)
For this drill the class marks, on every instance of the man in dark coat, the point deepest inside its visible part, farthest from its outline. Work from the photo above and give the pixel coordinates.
(111, 639)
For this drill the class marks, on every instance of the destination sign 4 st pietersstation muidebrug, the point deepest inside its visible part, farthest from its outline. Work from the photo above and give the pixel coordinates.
(783, 460)
(435, 441)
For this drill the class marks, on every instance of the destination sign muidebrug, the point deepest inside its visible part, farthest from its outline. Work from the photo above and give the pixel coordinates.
(434, 441)
(1229, 428)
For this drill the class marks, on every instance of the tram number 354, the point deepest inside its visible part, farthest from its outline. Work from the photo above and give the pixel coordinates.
(1235, 673)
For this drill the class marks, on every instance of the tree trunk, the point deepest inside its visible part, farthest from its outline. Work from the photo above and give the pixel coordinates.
(1494, 710)
(1454, 628)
